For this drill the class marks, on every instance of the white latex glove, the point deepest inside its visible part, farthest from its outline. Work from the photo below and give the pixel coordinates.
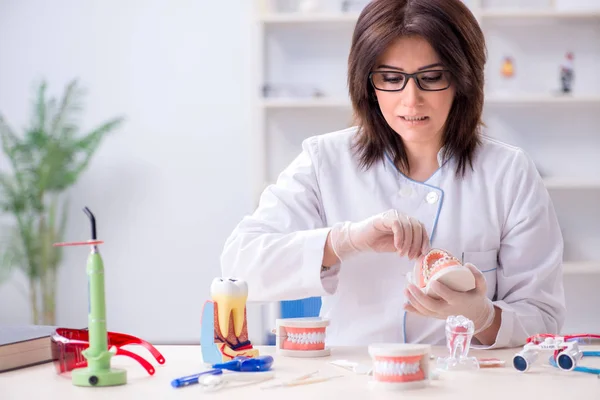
(389, 231)
(473, 304)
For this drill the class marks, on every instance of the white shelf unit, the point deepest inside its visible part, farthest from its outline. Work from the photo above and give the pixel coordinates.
(308, 18)
(516, 100)
(581, 268)
(538, 102)
(484, 14)
(561, 132)
(534, 13)
(292, 103)
(542, 99)
(572, 184)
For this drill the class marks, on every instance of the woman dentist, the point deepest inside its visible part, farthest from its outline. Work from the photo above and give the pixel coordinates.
(347, 219)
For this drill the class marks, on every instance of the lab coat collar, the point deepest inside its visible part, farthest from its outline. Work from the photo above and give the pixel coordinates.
(442, 159)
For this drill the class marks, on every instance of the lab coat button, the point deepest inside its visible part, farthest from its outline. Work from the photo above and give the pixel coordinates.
(406, 191)
(432, 197)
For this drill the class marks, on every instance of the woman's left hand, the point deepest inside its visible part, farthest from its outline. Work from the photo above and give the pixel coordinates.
(473, 304)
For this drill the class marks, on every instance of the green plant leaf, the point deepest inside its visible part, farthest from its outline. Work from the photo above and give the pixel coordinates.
(46, 160)
(56, 228)
(39, 115)
(64, 122)
(12, 257)
(78, 155)
(11, 199)
(10, 142)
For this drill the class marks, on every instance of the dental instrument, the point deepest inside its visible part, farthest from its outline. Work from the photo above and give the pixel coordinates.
(194, 378)
(306, 379)
(248, 367)
(357, 368)
(566, 353)
(247, 364)
(98, 371)
(218, 381)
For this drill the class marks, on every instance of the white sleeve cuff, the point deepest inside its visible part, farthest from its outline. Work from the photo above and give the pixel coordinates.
(324, 283)
(505, 333)
(330, 280)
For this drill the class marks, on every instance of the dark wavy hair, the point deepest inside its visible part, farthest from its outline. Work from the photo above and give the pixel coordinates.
(455, 35)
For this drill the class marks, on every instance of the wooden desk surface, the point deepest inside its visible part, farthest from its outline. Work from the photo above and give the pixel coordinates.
(542, 382)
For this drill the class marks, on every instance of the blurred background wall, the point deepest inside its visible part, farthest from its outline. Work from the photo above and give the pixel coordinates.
(199, 143)
(166, 188)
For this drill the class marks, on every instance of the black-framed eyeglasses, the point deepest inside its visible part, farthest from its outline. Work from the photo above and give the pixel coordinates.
(394, 81)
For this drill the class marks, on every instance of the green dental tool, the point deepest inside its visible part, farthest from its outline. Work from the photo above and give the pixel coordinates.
(98, 371)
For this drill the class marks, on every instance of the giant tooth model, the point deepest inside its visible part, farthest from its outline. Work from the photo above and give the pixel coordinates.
(224, 331)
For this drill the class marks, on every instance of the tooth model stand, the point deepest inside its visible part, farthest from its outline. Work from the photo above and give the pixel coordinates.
(301, 337)
(98, 371)
(398, 366)
(439, 265)
(459, 332)
(224, 330)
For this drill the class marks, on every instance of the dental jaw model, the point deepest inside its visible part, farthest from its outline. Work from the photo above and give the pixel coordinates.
(439, 265)
(224, 333)
(301, 337)
(459, 332)
(398, 366)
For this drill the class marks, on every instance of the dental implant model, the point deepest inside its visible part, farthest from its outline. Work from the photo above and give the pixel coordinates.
(224, 330)
(439, 265)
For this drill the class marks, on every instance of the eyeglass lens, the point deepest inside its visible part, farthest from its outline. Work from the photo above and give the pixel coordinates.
(426, 80)
(68, 356)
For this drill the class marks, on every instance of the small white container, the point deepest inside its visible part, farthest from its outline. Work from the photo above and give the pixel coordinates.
(398, 366)
(301, 337)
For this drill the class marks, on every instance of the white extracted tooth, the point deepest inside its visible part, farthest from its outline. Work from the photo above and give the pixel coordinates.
(230, 294)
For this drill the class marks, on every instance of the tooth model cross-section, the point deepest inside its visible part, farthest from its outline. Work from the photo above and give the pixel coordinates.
(439, 265)
(459, 332)
(224, 331)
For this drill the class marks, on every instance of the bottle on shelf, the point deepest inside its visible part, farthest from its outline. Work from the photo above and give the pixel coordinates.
(567, 73)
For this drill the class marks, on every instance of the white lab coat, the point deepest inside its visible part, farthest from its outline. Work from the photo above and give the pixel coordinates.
(499, 217)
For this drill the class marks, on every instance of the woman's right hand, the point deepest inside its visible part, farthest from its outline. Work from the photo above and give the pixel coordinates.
(389, 231)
